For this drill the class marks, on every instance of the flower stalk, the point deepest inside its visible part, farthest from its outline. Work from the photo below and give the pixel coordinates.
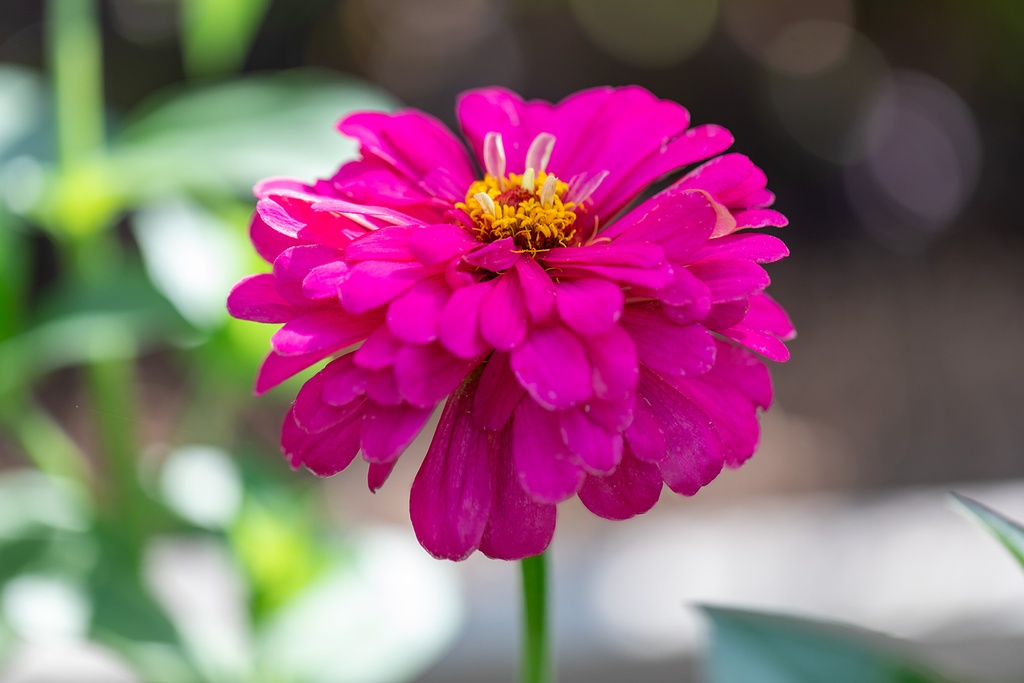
(536, 664)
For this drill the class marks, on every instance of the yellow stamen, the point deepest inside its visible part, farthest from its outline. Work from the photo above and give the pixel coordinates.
(512, 207)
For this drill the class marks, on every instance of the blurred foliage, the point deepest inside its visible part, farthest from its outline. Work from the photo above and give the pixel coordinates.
(752, 647)
(1008, 532)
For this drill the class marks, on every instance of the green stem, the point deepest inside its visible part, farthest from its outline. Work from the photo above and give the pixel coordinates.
(76, 67)
(536, 665)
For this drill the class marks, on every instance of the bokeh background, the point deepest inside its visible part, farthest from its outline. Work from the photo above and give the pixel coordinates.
(150, 530)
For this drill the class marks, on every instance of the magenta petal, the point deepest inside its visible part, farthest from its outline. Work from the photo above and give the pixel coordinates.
(615, 362)
(256, 298)
(313, 413)
(596, 448)
(589, 306)
(677, 350)
(414, 316)
(730, 178)
(760, 218)
(276, 368)
(750, 246)
(293, 266)
(678, 220)
(325, 453)
(503, 313)
(343, 381)
(687, 294)
(269, 243)
(497, 394)
(730, 279)
(646, 435)
(542, 461)
(414, 143)
(494, 256)
(551, 364)
(459, 326)
(764, 343)
(538, 289)
(324, 329)
(726, 314)
(434, 244)
(734, 416)
(428, 373)
(382, 387)
(632, 489)
(693, 455)
(322, 282)
(766, 314)
(450, 500)
(370, 284)
(378, 351)
(387, 244)
(388, 430)
(519, 526)
(378, 473)
(737, 367)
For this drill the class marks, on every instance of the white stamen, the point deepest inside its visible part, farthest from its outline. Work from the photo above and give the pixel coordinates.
(486, 202)
(547, 193)
(539, 154)
(582, 187)
(528, 182)
(494, 157)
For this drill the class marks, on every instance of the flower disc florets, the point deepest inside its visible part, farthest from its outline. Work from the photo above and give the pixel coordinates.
(577, 349)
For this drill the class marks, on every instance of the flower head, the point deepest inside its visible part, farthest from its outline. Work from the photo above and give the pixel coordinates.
(577, 349)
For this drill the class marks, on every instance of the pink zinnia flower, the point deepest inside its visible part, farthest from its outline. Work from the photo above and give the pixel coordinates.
(578, 348)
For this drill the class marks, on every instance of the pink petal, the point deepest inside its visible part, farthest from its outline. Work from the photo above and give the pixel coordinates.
(293, 265)
(766, 314)
(269, 243)
(497, 394)
(730, 279)
(343, 381)
(327, 329)
(615, 362)
(325, 453)
(387, 244)
(542, 462)
(589, 306)
(730, 178)
(669, 348)
(439, 243)
(452, 494)
(370, 284)
(382, 387)
(632, 489)
(294, 215)
(764, 343)
(519, 526)
(494, 256)
(646, 435)
(596, 448)
(415, 144)
(503, 313)
(323, 282)
(551, 364)
(760, 218)
(388, 430)
(749, 246)
(538, 289)
(726, 314)
(734, 417)
(737, 367)
(256, 298)
(377, 474)
(414, 316)
(459, 326)
(378, 351)
(639, 263)
(693, 455)
(313, 413)
(277, 368)
(678, 220)
(428, 373)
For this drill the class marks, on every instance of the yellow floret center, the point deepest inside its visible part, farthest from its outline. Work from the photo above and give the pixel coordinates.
(532, 213)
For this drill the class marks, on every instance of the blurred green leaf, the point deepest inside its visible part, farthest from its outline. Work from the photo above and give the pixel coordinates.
(216, 34)
(1008, 532)
(14, 260)
(22, 102)
(223, 138)
(751, 647)
(18, 554)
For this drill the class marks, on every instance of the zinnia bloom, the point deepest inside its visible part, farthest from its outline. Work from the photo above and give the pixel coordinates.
(578, 346)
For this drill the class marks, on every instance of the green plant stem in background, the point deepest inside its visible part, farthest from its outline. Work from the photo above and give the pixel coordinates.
(75, 54)
(536, 665)
(43, 439)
